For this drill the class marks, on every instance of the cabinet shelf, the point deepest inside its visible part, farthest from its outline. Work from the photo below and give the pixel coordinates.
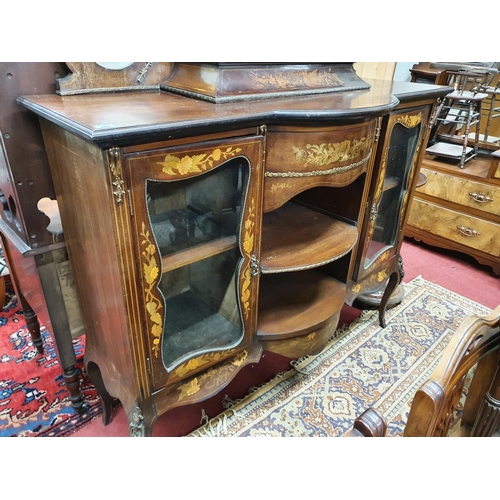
(295, 238)
(203, 328)
(295, 304)
(197, 253)
(187, 235)
(391, 183)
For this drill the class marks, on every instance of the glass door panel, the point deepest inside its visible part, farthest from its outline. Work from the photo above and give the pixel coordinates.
(196, 225)
(403, 146)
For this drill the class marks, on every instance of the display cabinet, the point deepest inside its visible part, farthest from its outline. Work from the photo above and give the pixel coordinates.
(201, 234)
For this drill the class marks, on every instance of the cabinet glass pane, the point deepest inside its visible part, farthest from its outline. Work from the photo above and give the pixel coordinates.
(196, 224)
(402, 149)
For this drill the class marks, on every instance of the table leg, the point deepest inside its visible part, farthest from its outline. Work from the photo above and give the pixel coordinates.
(47, 270)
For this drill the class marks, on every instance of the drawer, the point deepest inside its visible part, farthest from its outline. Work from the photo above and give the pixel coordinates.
(298, 158)
(462, 191)
(455, 226)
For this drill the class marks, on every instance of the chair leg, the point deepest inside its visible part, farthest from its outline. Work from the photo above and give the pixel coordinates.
(2, 290)
(466, 134)
(488, 120)
(32, 323)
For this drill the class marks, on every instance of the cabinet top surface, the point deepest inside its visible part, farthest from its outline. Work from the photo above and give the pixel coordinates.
(121, 118)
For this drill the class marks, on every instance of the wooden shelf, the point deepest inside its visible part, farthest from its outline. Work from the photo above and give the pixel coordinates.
(296, 238)
(446, 149)
(390, 183)
(295, 304)
(193, 326)
(199, 252)
(185, 236)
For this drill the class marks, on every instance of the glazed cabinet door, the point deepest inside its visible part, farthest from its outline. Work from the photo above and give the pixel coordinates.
(195, 211)
(391, 185)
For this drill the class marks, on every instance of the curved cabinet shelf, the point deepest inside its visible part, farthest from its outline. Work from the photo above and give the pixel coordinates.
(295, 238)
(294, 305)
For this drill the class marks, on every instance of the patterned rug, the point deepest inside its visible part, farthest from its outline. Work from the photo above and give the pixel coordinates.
(33, 398)
(363, 366)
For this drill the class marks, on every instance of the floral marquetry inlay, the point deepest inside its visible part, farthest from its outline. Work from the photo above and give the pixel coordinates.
(195, 363)
(213, 377)
(151, 273)
(325, 154)
(173, 165)
(410, 121)
(248, 243)
(280, 185)
(295, 79)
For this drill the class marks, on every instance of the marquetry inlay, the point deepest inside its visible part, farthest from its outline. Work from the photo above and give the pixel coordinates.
(151, 273)
(295, 79)
(173, 165)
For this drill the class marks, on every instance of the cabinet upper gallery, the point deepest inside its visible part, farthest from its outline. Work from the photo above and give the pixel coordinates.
(202, 233)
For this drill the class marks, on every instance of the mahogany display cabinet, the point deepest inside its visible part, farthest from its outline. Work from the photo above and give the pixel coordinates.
(201, 233)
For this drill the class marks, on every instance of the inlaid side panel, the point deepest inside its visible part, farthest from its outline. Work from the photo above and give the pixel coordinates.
(80, 177)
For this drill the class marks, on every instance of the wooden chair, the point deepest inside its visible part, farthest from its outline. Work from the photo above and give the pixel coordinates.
(491, 110)
(475, 343)
(459, 114)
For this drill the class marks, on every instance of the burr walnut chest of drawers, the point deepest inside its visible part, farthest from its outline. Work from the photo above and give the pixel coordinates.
(202, 233)
(459, 209)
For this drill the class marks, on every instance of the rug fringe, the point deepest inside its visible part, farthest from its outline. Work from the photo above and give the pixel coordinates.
(214, 428)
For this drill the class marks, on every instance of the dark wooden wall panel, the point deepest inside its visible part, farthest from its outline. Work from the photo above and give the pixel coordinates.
(24, 173)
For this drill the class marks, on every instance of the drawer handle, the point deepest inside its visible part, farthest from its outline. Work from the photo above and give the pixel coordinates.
(422, 180)
(467, 231)
(480, 197)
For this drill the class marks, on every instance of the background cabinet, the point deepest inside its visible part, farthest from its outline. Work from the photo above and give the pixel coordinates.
(458, 208)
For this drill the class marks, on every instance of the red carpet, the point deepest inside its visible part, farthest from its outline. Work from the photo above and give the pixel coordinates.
(33, 398)
(452, 270)
(36, 402)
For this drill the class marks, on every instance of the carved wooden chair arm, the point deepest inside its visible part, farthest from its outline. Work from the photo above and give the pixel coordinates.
(369, 424)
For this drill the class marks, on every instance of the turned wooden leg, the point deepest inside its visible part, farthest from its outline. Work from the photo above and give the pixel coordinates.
(72, 380)
(488, 417)
(32, 324)
(95, 376)
(61, 332)
(2, 291)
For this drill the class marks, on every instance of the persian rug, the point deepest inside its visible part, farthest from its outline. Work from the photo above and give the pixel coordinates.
(362, 366)
(33, 397)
